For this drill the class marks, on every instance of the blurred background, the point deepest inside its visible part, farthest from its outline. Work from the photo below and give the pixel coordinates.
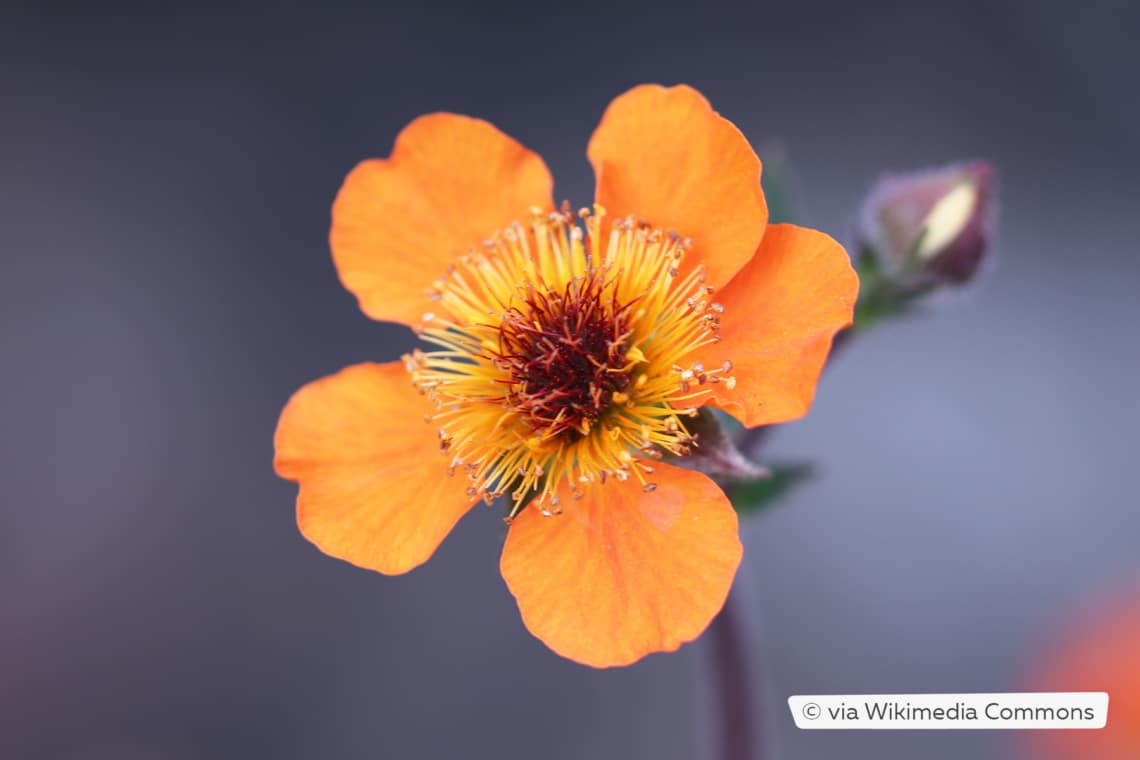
(165, 182)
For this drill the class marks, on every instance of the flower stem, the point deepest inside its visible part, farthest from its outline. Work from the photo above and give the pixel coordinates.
(738, 709)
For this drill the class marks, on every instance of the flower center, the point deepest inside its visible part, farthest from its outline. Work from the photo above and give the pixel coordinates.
(563, 360)
(565, 353)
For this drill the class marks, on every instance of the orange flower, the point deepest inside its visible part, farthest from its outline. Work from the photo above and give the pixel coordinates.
(1099, 650)
(568, 350)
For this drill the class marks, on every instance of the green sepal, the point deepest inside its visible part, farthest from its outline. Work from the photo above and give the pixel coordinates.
(881, 297)
(751, 497)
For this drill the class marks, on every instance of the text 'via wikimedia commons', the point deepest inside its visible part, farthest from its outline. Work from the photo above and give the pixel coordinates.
(1075, 710)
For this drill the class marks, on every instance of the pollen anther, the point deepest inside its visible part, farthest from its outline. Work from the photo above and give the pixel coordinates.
(563, 354)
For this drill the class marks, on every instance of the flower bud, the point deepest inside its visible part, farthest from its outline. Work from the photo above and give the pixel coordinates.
(930, 227)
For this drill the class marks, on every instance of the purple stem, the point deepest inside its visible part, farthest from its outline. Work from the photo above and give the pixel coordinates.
(739, 708)
(738, 713)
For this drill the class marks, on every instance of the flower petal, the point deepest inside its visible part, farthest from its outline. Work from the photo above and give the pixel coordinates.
(450, 183)
(781, 313)
(665, 156)
(623, 573)
(373, 486)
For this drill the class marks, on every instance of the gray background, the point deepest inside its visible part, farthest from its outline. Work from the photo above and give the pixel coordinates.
(164, 189)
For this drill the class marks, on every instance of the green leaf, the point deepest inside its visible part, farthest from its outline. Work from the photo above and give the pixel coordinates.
(754, 496)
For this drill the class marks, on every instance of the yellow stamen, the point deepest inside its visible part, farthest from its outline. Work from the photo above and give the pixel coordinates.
(563, 357)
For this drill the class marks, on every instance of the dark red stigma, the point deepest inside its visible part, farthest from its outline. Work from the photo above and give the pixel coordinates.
(565, 353)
